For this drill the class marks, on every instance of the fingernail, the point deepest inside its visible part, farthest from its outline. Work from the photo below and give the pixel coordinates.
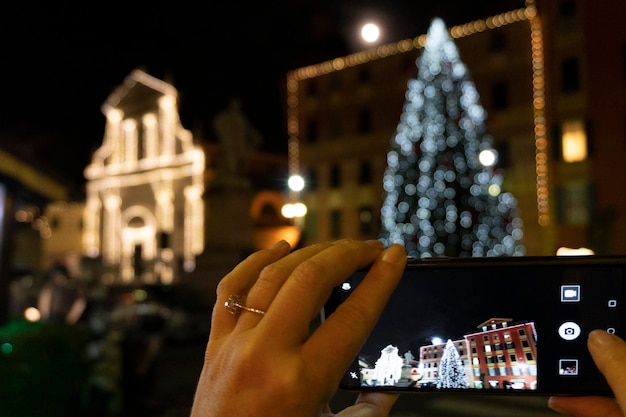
(394, 253)
(375, 243)
(554, 404)
(279, 244)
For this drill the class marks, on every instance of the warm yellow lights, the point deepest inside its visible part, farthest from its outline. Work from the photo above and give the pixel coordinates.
(574, 141)
(539, 118)
(529, 13)
(293, 210)
(145, 180)
(32, 314)
(564, 251)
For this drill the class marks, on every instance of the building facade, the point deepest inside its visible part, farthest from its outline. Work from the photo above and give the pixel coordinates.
(144, 213)
(538, 76)
(503, 356)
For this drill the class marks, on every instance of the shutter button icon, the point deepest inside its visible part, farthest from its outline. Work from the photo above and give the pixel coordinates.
(569, 330)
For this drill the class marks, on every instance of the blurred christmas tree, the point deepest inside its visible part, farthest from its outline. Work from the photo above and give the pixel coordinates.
(442, 190)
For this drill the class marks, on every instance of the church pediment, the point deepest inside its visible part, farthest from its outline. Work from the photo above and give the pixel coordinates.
(139, 93)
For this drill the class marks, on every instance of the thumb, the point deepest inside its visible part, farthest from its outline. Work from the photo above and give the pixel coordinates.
(609, 354)
(371, 404)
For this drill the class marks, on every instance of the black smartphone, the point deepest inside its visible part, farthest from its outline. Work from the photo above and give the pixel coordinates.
(491, 325)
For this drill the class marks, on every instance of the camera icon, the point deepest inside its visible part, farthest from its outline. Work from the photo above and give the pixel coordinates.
(569, 330)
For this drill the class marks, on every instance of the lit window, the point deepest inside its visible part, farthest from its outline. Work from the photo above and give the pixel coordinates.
(574, 141)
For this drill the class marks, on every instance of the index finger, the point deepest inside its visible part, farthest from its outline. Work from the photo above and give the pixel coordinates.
(309, 285)
(355, 318)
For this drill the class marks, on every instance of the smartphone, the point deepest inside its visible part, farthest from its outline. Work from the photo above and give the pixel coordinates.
(491, 325)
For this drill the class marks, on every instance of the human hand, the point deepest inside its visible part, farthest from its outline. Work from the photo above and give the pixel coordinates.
(271, 365)
(609, 354)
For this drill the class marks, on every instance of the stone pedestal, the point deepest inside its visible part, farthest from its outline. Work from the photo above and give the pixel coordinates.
(228, 234)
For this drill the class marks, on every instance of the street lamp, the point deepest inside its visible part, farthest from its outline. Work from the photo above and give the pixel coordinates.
(296, 183)
(296, 209)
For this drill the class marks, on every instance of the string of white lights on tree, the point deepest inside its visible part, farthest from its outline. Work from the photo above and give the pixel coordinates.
(443, 193)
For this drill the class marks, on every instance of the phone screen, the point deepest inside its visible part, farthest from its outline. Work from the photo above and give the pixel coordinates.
(491, 325)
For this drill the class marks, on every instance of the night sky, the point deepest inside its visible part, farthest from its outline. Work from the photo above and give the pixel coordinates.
(61, 60)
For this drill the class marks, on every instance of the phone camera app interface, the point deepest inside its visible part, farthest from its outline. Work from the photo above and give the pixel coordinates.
(490, 328)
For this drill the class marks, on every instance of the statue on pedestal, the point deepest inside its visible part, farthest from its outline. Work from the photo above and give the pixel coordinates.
(238, 140)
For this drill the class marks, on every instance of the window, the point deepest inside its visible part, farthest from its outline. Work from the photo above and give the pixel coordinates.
(311, 88)
(311, 182)
(365, 121)
(335, 82)
(500, 96)
(335, 176)
(365, 173)
(567, 12)
(503, 149)
(365, 221)
(311, 131)
(570, 75)
(364, 74)
(497, 41)
(573, 203)
(335, 223)
(312, 224)
(573, 141)
(335, 126)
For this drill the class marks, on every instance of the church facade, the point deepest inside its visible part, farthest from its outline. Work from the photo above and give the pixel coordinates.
(144, 212)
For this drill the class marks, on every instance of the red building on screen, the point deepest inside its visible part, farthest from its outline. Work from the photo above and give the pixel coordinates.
(503, 355)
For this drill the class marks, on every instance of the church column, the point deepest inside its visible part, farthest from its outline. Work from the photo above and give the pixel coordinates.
(167, 110)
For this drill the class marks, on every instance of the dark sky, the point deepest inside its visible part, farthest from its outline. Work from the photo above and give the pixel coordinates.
(60, 60)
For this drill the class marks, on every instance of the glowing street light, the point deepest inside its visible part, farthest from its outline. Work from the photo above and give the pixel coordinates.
(296, 183)
(292, 210)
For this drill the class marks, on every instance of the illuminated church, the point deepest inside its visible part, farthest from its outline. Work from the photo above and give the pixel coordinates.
(144, 214)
